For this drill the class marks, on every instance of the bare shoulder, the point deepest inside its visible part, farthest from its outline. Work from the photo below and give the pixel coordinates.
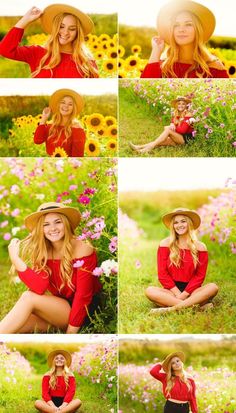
(81, 249)
(77, 125)
(47, 374)
(201, 246)
(215, 63)
(165, 242)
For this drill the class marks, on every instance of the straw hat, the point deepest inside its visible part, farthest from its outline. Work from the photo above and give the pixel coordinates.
(193, 215)
(54, 9)
(71, 213)
(168, 358)
(64, 353)
(164, 18)
(180, 98)
(60, 94)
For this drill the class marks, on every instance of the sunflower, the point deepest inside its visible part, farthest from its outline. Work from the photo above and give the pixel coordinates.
(99, 54)
(231, 68)
(92, 147)
(110, 120)
(104, 37)
(90, 38)
(95, 121)
(121, 63)
(111, 44)
(121, 50)
(104, 45)
(132, 62)
(101, 132)
(11, 132)
(95, 46)
(112, 145)
(110, 65)
(112, 131)
(112, 53)
(122, 74)
(59, 152)
(136, 48)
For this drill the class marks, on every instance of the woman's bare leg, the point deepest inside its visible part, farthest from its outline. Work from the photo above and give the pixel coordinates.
(72, 406)
(175, 137)
(34, 323)
(200, 296)
(42, 406)
(161, 296)
(53, 310)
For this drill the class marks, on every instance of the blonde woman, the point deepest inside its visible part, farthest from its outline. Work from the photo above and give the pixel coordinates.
(64, 55)
(178, 386)
(64, 132)
(58, 385)
(179, 132)
(182, 265)
(57, 268)
(185, 26)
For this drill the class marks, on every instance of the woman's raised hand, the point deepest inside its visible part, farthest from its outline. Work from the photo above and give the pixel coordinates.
(14, 248)
(32, 14)
(45, 115)
(158, 46)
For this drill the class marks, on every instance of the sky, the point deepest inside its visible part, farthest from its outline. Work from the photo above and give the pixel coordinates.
(57, 338)
(153, 174)
(144, 13)
(19, 8)
(30, 87)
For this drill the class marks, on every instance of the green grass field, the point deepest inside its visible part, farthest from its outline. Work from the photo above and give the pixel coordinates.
(140, 124)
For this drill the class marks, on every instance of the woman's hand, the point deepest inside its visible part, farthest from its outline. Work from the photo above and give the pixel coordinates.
(45, 115)
(72, 330)
(14, 248)
(32, 14)
(158, 45)
(172, 126)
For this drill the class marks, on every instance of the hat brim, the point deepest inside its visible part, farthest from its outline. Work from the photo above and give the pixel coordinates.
(187, 101)
(195, 218)
(164, 19)
(60, 94)
(179, 354)
(64, 353)
(72, 214)
(53, 10)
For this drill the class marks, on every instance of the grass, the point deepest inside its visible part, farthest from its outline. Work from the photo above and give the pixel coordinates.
(134, 314)
(139, 124)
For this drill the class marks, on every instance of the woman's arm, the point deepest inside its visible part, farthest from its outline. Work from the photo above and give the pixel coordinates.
(163, 275)
(200, 272)
(31, 15)
(70, 391)
(157, 373)
(78, 141)
(193, 400)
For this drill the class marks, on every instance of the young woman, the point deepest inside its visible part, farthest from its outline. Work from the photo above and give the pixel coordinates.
(185, 26)
(182, 264)
(179, 132)
(178, 386)
(52, 260)
(64, 132)
(58, 385)
(64, 55)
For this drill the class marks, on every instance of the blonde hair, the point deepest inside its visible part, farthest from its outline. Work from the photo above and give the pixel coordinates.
(80, 55)
(54, 132)
(35, 248)
(170, 378)
(175, 257)
(201, 55)
(178, 117)
(53, 376)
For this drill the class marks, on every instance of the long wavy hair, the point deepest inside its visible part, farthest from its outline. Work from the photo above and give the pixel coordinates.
(81, 56)
(53, 376)
(179, 116)
(175, 256)
(170, 379)
(54, 131)
(201, 55)
(35, 249)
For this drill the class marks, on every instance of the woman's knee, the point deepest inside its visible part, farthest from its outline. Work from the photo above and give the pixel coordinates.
(38, 404)
(78, 403)
(213, 288)
(27, 295)
(152, 292)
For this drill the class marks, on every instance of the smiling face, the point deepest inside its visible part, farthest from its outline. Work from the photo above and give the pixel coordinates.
(66, 106)
(176, 364)
(184, 30)
(68, 30)
(53, 227)
(181, 105)
(59, 360)
(180, 224)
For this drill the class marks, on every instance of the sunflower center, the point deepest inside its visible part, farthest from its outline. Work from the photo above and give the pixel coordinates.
(133, 62)
(232, 70)
(95, 121)
(110, 66)
(114, 131)
(92, 147)
(112, 145)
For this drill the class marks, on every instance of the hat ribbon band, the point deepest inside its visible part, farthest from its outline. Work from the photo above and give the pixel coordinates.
(51, 207)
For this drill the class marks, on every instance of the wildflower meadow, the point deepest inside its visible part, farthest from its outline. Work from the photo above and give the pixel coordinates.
(140, 231)
(94, 365)
(145, 108)
(210, 363)
(89, 185)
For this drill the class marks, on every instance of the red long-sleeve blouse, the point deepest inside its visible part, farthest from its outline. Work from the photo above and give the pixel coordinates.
(9, 47)
(168, 273)
(179, 390)
(86, 285)
(74, 145)
(183, 126)
(60, 390)
(153, 70)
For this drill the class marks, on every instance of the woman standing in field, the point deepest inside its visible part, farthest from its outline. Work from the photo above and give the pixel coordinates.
(179, 132)
(64, 55)
(182, 264)
(52, 260)
(178, 386)
(65, 136)
(185, 26)
(58, 385)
